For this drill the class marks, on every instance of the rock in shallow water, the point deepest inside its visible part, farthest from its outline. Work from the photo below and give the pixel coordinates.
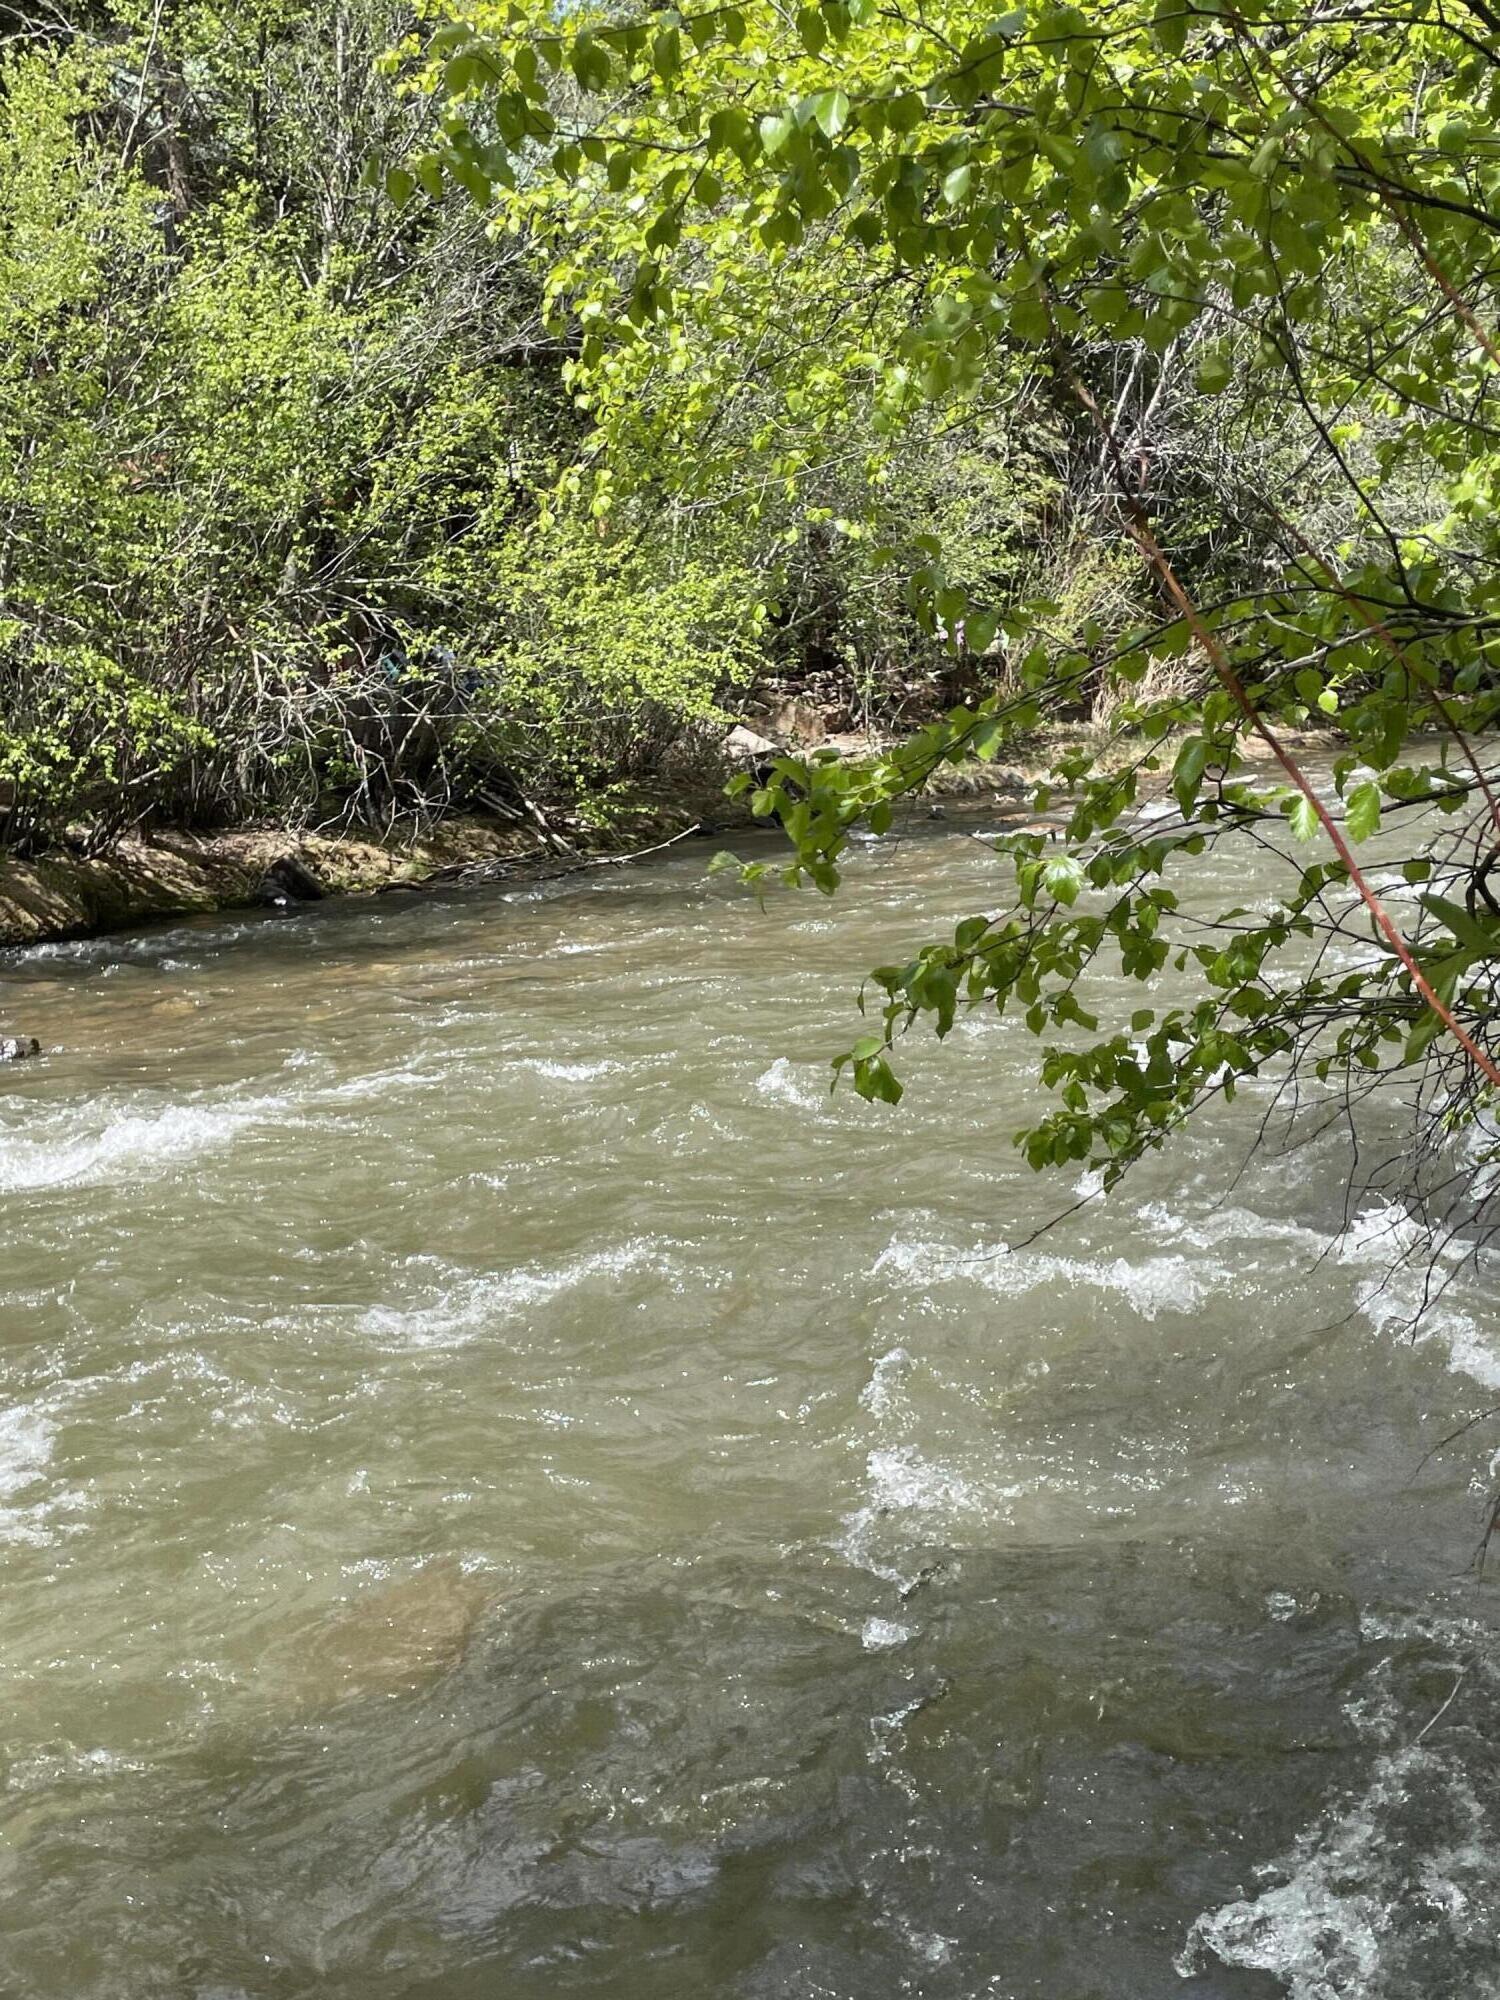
(19, 1048)
(392, 1636)
(291, 880)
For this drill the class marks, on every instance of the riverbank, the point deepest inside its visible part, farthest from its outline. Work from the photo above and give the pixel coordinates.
(144, 879)
(61, 895)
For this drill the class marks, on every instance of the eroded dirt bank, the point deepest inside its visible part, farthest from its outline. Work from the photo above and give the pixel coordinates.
(63, 895)
(177, 874)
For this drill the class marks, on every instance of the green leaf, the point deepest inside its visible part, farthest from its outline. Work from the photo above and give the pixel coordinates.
(776, 130)
(1169, 25)
(1063, 877)
(590, 63)
(876, 1081)
(831, 111)
(980, 628)
(1362, 811)
(812, 30)
(956, 185)
(1304, 818)
(1479, 938)
(1187, 772)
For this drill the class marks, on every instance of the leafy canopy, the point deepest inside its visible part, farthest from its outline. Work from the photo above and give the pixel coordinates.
(1280, 207)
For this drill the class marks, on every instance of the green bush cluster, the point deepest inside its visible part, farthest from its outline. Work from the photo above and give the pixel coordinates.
(305, 513)
(273, 539)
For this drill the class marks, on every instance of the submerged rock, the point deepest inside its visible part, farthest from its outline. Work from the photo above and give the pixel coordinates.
(18, 1048)
(392, 1636)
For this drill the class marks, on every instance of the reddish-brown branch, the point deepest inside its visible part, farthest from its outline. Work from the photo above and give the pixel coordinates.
(1379, 629)
(1441, 279)
(1231, 681)
(1224, 669)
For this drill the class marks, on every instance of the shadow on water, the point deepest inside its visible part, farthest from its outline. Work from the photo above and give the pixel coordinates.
(1028, 1776)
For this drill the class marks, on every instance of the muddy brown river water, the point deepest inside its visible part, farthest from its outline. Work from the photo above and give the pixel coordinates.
(507, 1489)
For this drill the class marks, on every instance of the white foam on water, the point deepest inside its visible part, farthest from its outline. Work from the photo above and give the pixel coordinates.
(92, 1142)
(1471, 1348)
(44, 1770)
(1380, 1233)
(887, 1383)
(26, 1439)
(1233, 1225)
(1398, 1309)
(1387, 1250)
(150, 948)
(1398, 1297)
(430, 1072)
(570, 1072)
(878, 1635)
(1394, 1894)
(931, 1947)
(1460, 1637)
(26, 1445)
(1362, 1913)
(105, 1140)
(911, 1498)
(468, 1305)
(1089, 1185)
(1151, 1284)
(788, 1083)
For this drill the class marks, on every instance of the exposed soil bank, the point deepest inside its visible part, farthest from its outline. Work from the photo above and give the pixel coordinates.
(168, 874)
(179, 874)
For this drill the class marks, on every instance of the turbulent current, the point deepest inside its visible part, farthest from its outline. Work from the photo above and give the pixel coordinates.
(509, 1489)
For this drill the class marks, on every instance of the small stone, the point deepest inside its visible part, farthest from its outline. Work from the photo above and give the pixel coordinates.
(18, 1048)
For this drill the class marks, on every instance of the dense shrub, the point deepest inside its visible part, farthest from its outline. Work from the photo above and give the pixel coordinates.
(271, 532)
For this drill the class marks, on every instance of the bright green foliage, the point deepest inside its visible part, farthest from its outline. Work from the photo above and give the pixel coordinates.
(274, 463)
(611, 657)
(795, 227)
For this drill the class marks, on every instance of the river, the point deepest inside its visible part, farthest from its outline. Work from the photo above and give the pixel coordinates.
(506, 1488)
